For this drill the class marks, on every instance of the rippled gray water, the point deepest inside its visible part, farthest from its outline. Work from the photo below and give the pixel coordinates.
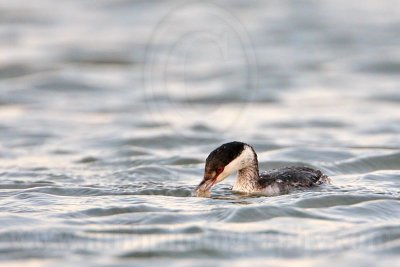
(109, 108)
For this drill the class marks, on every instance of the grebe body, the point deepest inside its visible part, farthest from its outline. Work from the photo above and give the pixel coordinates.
(241, 157)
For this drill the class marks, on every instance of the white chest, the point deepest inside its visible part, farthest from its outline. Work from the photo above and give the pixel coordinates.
(270, 190)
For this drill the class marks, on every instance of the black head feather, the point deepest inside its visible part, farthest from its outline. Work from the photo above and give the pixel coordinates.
(223, 155)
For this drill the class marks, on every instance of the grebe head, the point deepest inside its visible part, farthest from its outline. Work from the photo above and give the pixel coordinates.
(223, 161)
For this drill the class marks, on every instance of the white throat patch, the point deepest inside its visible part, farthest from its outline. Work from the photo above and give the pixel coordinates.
(243, 160)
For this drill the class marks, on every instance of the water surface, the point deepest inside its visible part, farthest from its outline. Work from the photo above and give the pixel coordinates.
(109, 109)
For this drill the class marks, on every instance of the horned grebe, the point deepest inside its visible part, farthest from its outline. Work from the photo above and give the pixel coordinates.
(241, 157)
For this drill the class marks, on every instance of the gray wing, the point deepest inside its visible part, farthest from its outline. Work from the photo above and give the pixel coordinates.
(293, 177)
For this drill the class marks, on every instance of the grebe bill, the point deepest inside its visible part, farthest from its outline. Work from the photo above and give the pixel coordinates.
(241, 157)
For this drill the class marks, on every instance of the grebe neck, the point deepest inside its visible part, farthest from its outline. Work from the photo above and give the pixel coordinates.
(248, 175)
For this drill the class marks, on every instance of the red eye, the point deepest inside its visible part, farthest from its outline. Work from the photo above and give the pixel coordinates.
(220, 169)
